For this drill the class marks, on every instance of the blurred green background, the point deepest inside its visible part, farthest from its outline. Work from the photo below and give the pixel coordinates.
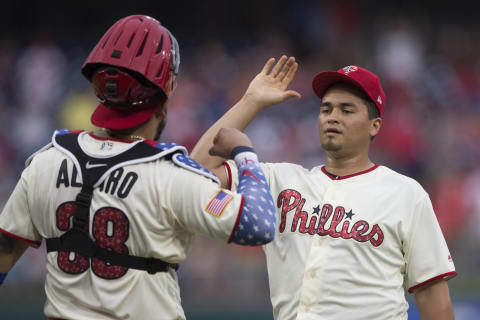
(426, 54)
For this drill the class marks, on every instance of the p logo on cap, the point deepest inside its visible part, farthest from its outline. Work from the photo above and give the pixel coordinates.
(348, 69)
(363, 79)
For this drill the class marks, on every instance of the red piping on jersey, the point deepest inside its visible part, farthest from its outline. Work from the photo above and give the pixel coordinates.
(35, 243)
(229, 175)
(237, 221)
(348, 175)
(448, 275)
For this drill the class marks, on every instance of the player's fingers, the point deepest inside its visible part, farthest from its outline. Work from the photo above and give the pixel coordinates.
(286, 68)
(276, 69)
(290, 74)
(291, 94)
(268, 65)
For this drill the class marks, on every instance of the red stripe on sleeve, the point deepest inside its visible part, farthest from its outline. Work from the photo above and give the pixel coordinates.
(36, 244)
(448, 275)
(229, 175)
(237, 221)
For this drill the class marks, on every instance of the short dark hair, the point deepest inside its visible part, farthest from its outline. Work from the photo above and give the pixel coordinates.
(372, 109)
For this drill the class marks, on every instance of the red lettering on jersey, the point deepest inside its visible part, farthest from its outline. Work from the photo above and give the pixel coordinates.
(337, 218)
(326, 213)
(328, 223)
(300, 215)
(283, 201)
(376, 231)
(344, 233)
(359, 229)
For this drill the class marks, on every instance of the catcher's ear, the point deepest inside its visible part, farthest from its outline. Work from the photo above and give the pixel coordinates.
(161, 111)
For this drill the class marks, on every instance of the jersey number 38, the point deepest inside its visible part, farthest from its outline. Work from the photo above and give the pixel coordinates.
(110, 228)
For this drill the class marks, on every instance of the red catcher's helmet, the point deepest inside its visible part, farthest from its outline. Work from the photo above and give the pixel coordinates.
(136, 57)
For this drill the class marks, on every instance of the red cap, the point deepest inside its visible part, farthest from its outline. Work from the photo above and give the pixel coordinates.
(359, 77)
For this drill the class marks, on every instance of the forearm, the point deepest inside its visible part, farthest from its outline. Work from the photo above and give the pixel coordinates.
(256, 225)
(10, 251)
(238, 117)
(434, 312)
(434, 302)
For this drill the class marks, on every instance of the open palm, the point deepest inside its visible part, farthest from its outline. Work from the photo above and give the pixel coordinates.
(269, 86)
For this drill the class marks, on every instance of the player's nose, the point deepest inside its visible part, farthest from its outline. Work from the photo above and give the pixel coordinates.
(333, 116)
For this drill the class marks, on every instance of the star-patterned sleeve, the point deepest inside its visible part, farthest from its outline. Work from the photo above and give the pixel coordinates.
(257, 219)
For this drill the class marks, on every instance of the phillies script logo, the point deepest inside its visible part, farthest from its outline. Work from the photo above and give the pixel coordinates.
(329, 220)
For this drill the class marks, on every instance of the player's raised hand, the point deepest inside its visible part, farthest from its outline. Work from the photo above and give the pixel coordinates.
(269, 87)
(227, 139)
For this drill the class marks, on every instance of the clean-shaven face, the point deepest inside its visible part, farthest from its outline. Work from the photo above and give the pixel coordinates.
(343, 124)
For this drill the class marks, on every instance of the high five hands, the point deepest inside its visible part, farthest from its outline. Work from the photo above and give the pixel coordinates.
(269, 86)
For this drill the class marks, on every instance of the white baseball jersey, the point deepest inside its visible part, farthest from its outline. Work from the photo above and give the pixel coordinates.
(150, 209)
(349, 247)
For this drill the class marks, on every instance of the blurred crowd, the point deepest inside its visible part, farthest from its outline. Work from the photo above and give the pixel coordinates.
(430, 71)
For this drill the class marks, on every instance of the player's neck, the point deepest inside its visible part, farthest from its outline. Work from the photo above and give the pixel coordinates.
(145, 131)
(346, 165)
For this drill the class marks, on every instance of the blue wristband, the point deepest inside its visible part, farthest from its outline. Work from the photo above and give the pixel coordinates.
(2, 277)
(241, 149)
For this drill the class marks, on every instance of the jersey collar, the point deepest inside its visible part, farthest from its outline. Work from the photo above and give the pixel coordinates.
(332, 177)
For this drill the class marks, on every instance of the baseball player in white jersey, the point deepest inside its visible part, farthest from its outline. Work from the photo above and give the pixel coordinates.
(352, 236)
(118, 210)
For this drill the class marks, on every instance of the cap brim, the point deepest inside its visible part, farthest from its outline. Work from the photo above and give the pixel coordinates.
(114, 119)
(326, 79)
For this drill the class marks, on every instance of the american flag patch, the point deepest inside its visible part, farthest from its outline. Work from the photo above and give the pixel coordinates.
(217, 205)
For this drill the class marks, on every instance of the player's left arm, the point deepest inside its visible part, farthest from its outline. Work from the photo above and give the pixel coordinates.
(11, 250)
(17, 231)
(433, 301)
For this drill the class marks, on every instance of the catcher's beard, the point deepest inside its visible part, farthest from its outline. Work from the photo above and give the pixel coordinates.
(160, 127)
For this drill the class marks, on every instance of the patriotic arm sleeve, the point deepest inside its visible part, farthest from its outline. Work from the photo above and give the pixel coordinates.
(256, 221)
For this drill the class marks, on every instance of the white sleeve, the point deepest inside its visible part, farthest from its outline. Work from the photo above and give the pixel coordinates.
(426, 252)
(201, 206)
(15, 219)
